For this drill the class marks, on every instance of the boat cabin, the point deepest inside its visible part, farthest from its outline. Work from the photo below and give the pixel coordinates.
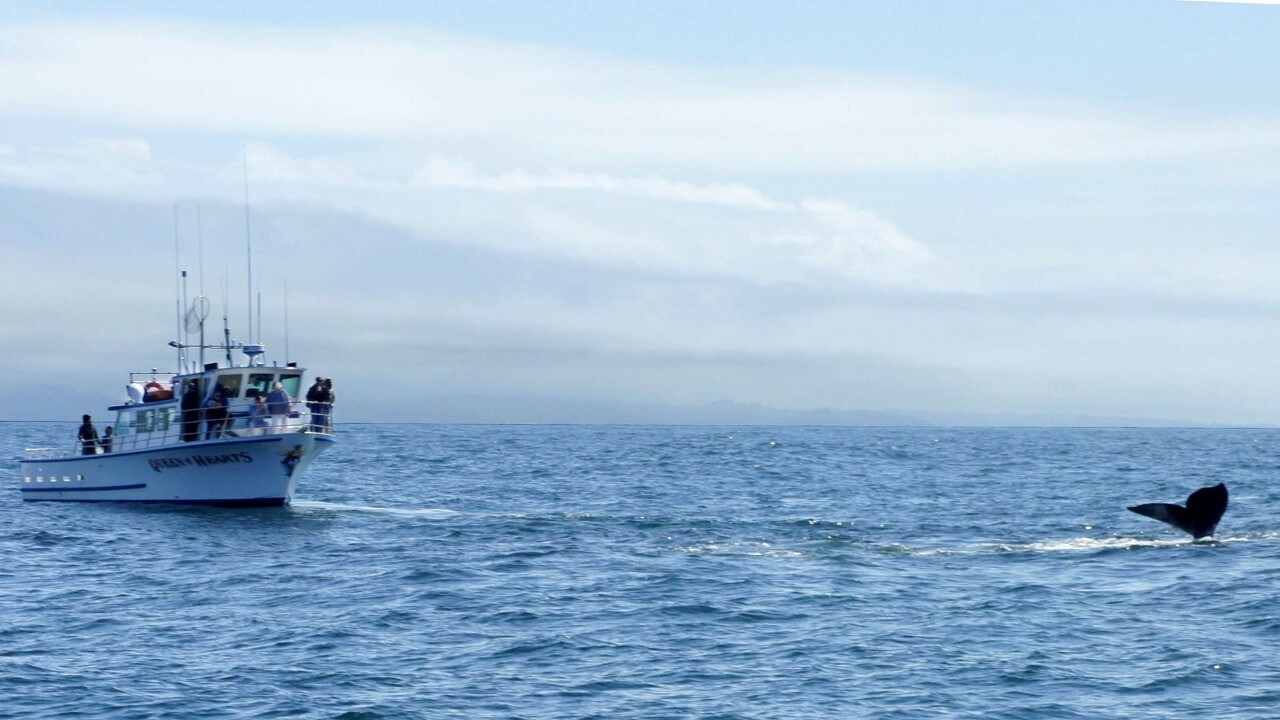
(159, 411)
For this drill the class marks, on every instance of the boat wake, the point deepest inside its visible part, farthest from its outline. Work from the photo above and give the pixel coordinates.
(432, 513)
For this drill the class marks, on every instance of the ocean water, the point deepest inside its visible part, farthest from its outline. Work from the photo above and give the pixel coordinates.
(663, 572)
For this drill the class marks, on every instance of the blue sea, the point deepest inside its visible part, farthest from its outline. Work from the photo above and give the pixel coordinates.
(429, 571)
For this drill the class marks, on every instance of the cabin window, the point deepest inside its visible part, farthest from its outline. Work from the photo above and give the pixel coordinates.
(230, 385)
(146, 421)
(261, 382)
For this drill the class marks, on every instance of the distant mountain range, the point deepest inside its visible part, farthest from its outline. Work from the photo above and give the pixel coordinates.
(546, 410)
(64, 403)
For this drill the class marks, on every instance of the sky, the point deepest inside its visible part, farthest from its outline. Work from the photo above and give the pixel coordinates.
(1059, 207)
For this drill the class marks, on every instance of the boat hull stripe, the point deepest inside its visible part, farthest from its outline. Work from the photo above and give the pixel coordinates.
(135, 486)
(236, 503)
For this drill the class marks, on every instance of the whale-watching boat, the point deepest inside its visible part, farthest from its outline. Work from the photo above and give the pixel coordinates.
(173, 442)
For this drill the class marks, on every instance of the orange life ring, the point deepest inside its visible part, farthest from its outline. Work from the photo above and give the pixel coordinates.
(155, 392)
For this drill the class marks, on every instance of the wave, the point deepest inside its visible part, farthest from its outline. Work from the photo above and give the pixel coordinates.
(434, 513)
(1085, 545)
(739, 548)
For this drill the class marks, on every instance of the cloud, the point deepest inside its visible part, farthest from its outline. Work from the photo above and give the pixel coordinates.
(821, 234)
(462, 175)
(431, 91)
(534, 148)
(663, 225)
(119, 167)
(456, 203)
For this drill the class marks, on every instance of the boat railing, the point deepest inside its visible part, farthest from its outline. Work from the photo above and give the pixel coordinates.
(155, 376)
(183, 427)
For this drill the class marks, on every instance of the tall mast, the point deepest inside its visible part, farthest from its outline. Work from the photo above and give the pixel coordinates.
(200, 247)
(248, 238)
(226, 310)
(177, 290)
(286, 320)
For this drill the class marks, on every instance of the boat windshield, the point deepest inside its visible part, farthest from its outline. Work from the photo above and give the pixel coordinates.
(230, 384)
(262, 383)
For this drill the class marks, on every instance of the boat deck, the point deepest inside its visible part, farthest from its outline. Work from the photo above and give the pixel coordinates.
(155, 426)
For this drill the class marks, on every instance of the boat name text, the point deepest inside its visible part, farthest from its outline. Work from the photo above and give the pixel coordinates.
(160, 464)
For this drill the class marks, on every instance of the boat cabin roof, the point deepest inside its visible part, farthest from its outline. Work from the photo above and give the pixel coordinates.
(246, 382)
(237, 383)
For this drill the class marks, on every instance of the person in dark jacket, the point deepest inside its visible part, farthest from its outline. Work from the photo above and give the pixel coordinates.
(108, 439)
(215, 415)
(190, 411)
(327, 399)
(88, 436)
(313, 404)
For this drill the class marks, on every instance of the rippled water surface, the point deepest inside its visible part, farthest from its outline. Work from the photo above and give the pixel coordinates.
(663, 572)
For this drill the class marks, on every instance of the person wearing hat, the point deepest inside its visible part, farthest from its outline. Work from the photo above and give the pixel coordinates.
(314, 404)
(327, 398)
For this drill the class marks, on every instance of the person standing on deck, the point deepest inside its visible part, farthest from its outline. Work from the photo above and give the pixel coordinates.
(190, 412)
(326, 405)
(108, 439)
(313, 404)
(215, 415)
(278, 405)
(88, 436)
(259, 417)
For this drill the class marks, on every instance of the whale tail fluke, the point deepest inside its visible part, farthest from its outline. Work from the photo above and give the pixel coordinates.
(1200, 516)
(1175, 515)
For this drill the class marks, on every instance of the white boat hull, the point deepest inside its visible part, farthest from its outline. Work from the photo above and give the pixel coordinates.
(250, 471)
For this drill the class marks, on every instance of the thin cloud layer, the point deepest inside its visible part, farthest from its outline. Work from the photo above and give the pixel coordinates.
(462, 175)
(569, 108)
(821, 234)
(793, 235)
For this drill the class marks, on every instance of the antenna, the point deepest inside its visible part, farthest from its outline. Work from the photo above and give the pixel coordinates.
(259, 318)
(178, 276)
(248, 239)
(226, 310)
(286, 320)
(226, 291)
(186, 335)
(226, 339)
(195, 319)
(200, 248)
